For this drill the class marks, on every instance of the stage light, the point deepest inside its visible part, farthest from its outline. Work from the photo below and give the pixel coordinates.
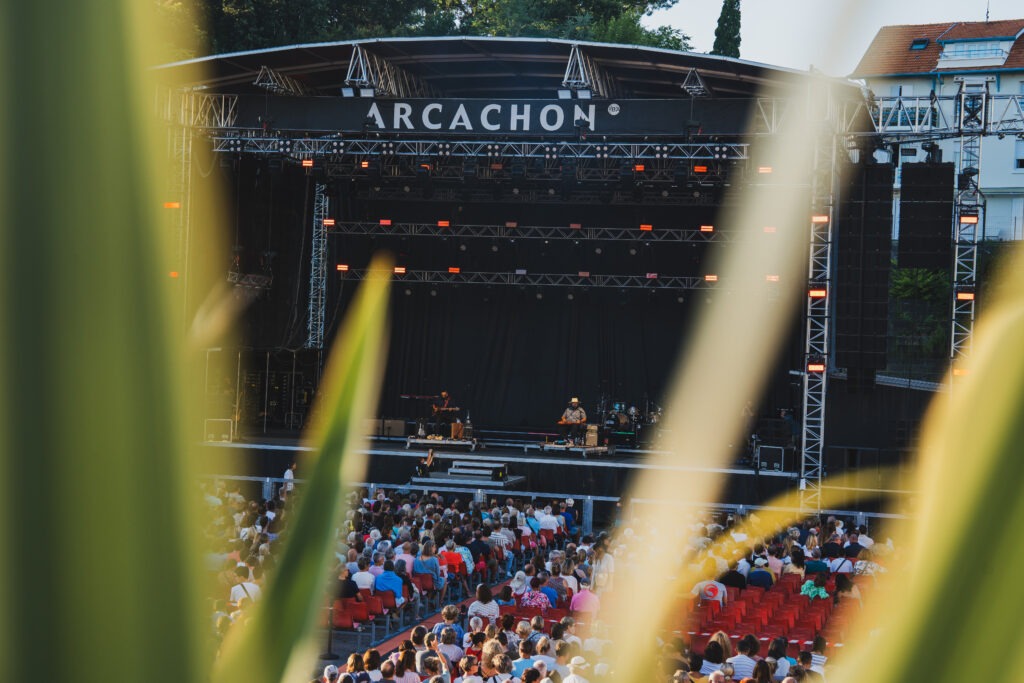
(639, 168)
(964, 295)
(584, 94)
(700, 169)
(385, 221)
(710, 277)
(959, 372)
(444, 224)
(564, 94)
(511, 224)
(173, 274)
(707, 228)
(364, 164)
(969, 219)
(348, 92)
(342, 268)
(817, 292)
(551, 190)
(399, 270)
(172, 205)
(540, 295)
(646, 227)
(771, 278)
(307, 163)
(366, 92)
(329, 222)
(584, 273)
(819, 219)
(454, 270)
(652, 276)
(816, 367)
(764, 169)
(520, 271)
(576, 226)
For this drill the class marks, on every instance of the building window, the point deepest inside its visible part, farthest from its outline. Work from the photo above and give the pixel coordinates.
(1018, 157)
(973, 50)
(919, 44)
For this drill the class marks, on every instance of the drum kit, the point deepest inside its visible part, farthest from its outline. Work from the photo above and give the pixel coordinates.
(625, 420)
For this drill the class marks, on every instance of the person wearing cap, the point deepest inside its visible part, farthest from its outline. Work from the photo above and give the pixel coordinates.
(518, 583)
(585, 602)
(577, 667)
(331, 673)
(573, 421)
(760, 576)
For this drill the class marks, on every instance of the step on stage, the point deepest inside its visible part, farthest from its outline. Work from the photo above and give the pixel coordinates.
(479, 473)
(585, 451)
(469, 444)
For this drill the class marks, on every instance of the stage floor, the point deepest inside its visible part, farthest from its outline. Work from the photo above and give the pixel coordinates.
(537, 473)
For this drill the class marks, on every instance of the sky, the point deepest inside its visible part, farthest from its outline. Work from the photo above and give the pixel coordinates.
(830, 35)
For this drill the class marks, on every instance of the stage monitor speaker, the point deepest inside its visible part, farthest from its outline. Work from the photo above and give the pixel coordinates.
(926, 216)
(393, 428)
(863, 258)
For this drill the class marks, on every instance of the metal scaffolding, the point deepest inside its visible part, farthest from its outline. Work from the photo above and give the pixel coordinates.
(973, 123)
(318, 270)
(582, 280)
(280, 84)
(581, 73)
(367, 70)
(514, 231)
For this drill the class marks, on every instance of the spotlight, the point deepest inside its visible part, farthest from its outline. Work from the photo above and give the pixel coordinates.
(348, 92)
(540, 295)
(564, 94)
(584, 94)
(597, 250)
(366, 92)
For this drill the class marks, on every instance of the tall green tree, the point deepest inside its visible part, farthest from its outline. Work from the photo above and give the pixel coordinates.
(727, 34)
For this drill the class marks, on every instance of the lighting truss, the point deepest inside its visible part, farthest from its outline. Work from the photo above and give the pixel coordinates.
(318, 270)
(355, 228)
(280, 84)
(576, 280)
(332, 144)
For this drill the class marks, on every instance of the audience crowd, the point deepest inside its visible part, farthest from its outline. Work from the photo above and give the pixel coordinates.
(535, 613)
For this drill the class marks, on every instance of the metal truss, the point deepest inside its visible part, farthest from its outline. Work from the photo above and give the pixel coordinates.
(905, 118)
(974, 108)
(514, 231)
(280, 84)
(694, 85)
(702, 195)
(523, 279)
(367, 70)
(581, 73)
(318, 270)
(824, 184)
(303, 147)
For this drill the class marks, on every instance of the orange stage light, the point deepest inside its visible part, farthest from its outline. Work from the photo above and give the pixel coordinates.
(173, 273)
(342, 268)
(817, 293)
(707, 228)
(969, 220)
(771, 278)
(172, 205)
(444, 224)
(385, 221)
(764, 169)
(454, 270)
(399, 270)
(639, 168)
(646, 227)
(965, 296)
(576, 226)
(307, 163)
(819, 219)
(816, 367)
(710, 278)
(329, 222)
(511, 224)
(700, 169)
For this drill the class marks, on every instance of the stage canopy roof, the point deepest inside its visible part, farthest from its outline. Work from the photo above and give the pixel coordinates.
(484, 67)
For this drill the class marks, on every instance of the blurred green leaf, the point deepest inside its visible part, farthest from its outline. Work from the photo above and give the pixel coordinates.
(271, 643)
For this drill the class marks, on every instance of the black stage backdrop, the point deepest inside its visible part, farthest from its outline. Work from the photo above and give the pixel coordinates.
(513, 356)
(515, 360)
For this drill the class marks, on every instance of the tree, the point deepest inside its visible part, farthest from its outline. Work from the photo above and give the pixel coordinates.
(727, 35)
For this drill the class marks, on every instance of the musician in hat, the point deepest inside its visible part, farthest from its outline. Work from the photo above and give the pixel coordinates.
(573, 421)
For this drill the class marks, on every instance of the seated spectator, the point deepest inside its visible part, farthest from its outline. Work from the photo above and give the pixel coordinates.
(449, 617)
(777, 652)
(363, 578)
(815, 565)
(519, 584)
(525, 661)
(760, 576)
(586, 601)
(388, 580)
(743, 663)
(534, 597)
(448, 646)
(484, 606)
(810, 676)
(815, 588)
(713, 659)
(505, 598)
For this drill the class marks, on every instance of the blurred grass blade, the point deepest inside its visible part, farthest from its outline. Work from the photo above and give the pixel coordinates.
(272, 642)
(100, 577)
(960, 592)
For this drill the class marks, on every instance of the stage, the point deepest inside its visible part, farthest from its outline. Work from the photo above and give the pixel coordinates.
(530, 471)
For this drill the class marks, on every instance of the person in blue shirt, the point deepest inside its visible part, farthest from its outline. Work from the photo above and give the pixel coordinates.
(390, 581)
(548, 590)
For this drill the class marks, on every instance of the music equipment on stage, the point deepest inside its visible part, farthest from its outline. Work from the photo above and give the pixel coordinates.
(437, 410)
(591, 436)
(457, 430)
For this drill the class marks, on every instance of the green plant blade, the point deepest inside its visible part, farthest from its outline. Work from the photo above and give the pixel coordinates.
(274, 642)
